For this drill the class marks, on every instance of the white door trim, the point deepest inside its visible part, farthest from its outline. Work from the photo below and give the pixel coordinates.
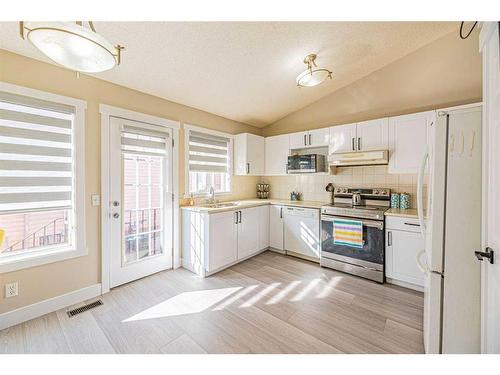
(106, 112)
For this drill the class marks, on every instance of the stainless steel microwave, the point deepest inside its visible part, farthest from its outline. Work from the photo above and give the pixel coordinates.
(312, 163)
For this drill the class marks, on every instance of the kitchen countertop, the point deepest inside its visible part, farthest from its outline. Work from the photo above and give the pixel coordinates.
(247, 203)
(410, 212)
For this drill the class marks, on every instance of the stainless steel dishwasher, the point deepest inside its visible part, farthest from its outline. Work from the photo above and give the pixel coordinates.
(301, 234)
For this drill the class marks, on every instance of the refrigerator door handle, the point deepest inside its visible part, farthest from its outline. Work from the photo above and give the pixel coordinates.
(420, 192)
(424, 268)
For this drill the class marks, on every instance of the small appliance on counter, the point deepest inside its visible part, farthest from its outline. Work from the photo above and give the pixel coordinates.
(263, 191)
(312, 163)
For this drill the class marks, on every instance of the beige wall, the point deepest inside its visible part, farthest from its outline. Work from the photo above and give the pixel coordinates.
(444, 73)
(39, 283)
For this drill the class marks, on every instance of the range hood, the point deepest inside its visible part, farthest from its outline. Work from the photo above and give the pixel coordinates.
(349, 159)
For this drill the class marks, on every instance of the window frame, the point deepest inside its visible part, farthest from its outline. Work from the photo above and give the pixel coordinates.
(187, 129)
(46, 255)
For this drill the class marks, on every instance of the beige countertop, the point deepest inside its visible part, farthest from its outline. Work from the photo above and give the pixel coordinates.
(247, 203)
(410, 212)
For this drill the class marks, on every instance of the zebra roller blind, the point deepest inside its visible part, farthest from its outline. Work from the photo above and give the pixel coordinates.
(136, 140)
(36, 155)
(208, 153)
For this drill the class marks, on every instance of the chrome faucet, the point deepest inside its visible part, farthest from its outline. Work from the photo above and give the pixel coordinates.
(211, 194)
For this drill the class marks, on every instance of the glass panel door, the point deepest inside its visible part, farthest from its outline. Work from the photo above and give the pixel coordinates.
(141, 200)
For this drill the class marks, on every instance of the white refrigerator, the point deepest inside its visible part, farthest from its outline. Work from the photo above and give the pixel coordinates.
(451, 227)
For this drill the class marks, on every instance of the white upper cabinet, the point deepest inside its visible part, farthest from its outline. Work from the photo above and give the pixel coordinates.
(372, 135)
(342, 138)
(248, 151)
(318, 137)
(408, 136)
(276, 154)
(298, 140)
(310, 138)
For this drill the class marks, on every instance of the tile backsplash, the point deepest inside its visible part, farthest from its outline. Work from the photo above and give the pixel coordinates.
(312, 187)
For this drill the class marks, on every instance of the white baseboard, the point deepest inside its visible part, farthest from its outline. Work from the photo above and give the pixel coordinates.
(23, 314)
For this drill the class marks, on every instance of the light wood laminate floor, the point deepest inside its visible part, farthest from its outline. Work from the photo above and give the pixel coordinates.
(268, 304)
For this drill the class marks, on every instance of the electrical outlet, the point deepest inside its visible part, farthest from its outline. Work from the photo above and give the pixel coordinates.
(11, 290)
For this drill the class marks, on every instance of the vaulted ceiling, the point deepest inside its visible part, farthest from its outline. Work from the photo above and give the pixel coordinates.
(246, 71)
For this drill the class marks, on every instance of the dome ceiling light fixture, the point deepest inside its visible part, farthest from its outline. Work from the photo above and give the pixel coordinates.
(72, 45)
(313, 75)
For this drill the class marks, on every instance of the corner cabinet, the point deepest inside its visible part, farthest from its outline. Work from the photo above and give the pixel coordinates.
(403, 244)
(248, 151)
(212, 242)
(277, 149)
(408, 138)
(276, 228)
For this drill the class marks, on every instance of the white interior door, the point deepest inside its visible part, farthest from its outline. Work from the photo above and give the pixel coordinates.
(140, 200)
(491, 180)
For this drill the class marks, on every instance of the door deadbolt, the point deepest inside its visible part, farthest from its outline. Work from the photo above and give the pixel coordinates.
(116, 203)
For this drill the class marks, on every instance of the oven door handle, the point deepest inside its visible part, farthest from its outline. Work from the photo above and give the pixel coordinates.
(367, 223)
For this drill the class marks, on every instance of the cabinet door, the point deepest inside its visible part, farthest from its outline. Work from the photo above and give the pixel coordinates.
(407, 141)
(342, 138)
(276, 154)
(318, 137)
(299, 140)
(372, 135)
(401, 256)
(263, 227)
(240, 154)
(248, 151)
(276, 227)
(222, 249)
(255, 155)
(248, 232)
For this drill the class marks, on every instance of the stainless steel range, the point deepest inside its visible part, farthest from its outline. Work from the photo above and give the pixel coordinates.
(358, 216)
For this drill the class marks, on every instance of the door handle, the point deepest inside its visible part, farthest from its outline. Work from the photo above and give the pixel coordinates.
(116, 215)
(236, 217)
(389, 238)
(489, 253)
(240, 217)
(281, 212)
(248, 168)
(310, 144)
(413, 224)
(305, 139)
(359, 143)
(116, 203)
(353, 148)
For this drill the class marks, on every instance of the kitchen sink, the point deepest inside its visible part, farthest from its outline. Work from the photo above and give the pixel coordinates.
(221, 205)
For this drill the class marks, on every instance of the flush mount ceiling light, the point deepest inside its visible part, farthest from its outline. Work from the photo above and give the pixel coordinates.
(72, 45)
(313, 75)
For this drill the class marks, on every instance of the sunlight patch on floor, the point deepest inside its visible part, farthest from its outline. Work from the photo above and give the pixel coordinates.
(305, 291)
(283, 293)
(185, 303)
(235, 297)
(329, 287)
(256, 298)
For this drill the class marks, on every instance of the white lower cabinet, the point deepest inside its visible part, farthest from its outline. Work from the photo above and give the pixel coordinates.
(248, 232)
(212, 242)
(276, 227)
(403, 243)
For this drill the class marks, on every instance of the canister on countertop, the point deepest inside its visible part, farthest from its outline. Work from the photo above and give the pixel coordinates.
(404, 201)
(395, 200)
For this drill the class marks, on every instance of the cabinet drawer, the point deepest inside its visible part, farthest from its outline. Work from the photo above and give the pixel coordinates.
(402, 223)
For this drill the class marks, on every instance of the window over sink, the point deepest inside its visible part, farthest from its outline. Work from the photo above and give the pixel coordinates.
(208, 161)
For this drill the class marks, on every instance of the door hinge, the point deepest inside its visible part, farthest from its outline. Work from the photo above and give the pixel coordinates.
(173, 197)
(173, 142)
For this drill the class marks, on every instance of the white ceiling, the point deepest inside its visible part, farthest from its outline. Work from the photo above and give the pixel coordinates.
(246, 71)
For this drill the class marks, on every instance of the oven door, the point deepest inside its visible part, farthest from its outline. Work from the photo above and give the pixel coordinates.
(372, 253)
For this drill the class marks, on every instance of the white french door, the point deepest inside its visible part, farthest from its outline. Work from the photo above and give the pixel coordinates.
(140, 209)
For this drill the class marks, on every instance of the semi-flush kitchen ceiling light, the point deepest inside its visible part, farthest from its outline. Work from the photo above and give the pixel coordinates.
(313, 75)
(72, 45)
